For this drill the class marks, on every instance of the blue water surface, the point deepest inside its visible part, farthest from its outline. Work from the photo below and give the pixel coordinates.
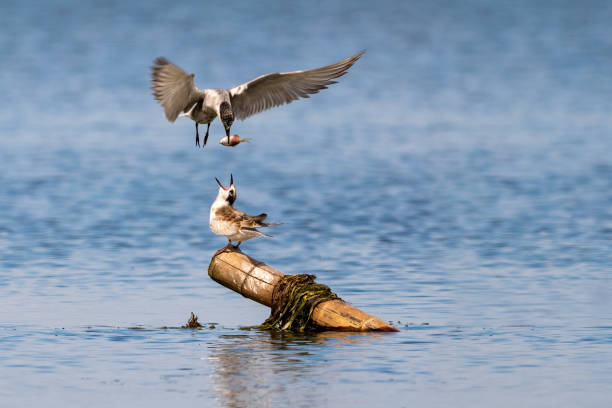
(457, 182)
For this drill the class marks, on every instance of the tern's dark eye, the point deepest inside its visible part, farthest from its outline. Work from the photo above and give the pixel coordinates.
(231, 197)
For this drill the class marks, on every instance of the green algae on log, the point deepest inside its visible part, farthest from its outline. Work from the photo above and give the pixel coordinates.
(256, 280)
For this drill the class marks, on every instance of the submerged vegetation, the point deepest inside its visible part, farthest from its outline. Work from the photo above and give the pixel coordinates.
(192, 323)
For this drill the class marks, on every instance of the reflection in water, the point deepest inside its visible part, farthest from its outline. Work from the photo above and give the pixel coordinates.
(259, 368)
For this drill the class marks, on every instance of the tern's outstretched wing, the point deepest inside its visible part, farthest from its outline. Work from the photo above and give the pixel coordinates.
(268, 91)
(173, 88)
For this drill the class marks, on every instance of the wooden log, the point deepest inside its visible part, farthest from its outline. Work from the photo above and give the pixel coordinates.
(256, 280)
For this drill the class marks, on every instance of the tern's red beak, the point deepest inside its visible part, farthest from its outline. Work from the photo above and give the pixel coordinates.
(220, 185)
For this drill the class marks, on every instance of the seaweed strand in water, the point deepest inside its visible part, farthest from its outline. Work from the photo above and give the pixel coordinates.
(192, 323)
(293, 300)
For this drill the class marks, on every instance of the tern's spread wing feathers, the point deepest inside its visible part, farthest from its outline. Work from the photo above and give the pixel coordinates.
(173, 88)
(268, 91)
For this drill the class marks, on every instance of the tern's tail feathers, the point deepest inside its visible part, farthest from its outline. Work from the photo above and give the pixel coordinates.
(271, 224)
(254, 232)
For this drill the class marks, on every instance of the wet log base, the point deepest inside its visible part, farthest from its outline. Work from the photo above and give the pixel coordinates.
(256, 280)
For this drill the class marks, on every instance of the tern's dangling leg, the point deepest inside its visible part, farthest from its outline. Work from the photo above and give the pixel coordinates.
(197, 135)
(206, 137)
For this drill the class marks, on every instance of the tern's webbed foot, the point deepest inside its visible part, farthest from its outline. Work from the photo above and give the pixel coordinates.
(228, 248)
(220, 251)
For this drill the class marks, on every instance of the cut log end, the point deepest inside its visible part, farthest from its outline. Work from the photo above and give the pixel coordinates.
(339, 315)
(256, 280)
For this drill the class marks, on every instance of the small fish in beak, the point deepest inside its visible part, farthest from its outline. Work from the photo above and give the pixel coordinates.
(233, 140)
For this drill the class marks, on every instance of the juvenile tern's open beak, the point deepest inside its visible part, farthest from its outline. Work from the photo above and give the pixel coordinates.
(220, 185)
(231, 179)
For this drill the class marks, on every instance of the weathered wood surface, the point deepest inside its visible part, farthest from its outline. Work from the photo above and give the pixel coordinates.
(256, 280)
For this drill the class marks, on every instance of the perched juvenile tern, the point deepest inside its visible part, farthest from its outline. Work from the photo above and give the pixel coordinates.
(174, 89)
(233, 223)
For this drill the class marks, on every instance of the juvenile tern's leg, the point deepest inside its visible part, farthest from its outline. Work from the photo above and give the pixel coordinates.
(206, 136)
(197, 136)
(225, 248)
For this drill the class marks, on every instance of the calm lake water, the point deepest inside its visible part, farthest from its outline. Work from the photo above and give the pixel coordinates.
(457, 182)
